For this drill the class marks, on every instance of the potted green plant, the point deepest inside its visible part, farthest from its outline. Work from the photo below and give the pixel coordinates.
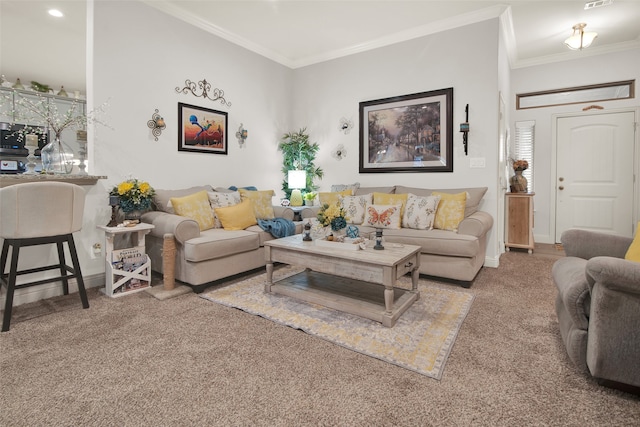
(309, 198)
(299, 154)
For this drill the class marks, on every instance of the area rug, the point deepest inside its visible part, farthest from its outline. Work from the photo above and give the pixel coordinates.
(420, 341)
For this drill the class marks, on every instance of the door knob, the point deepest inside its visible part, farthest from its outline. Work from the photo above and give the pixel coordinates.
(561, 187)
(561, 179)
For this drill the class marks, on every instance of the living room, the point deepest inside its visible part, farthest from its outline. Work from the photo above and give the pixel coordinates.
(135, 65)
(139, 55)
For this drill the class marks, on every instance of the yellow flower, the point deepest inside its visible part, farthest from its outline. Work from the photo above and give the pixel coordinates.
(144, 187)
(124, 187)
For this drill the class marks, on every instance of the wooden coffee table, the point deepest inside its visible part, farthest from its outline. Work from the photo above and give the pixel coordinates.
(359, 282)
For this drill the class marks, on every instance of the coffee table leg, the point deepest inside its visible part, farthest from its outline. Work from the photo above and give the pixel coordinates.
(267, 285)
(415, 275)
(388, 300)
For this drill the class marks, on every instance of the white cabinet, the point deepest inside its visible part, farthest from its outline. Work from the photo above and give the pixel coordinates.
(127, 270)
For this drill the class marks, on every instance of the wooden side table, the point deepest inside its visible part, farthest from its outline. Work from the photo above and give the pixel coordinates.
(127, 270)
(519, 221)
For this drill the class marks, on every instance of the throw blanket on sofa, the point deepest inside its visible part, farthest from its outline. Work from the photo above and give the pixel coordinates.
(278, 227)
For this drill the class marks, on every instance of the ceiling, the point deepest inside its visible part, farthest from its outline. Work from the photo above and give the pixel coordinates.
(303, 32)
(297, 33)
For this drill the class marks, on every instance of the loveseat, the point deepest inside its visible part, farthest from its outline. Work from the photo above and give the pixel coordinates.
(205, 256)
(455, 251)
(598, 306)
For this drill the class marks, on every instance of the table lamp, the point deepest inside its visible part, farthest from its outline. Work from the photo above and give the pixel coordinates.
(297, 180)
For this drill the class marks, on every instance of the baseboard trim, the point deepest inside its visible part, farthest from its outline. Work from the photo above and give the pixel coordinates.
(36, 293)
(492, 262)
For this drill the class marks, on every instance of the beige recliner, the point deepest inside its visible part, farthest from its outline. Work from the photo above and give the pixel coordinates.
(598, 307)
(40, 213)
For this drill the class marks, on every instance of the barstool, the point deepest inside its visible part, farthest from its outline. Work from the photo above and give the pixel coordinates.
(40, 213)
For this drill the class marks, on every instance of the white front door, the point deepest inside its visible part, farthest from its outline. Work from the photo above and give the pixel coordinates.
(594, 180)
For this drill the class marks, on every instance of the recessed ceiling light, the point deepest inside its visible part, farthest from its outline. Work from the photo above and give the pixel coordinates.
(56, 13)
(597, 3)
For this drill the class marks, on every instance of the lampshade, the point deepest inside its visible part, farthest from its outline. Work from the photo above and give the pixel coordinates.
(297, 179)
(580, 39)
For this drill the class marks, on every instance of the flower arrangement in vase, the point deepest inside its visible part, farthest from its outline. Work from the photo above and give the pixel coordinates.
(519, 182)
(134, 196)
(332, 215)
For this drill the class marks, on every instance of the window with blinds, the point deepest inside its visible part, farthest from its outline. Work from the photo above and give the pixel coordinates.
(525, 136)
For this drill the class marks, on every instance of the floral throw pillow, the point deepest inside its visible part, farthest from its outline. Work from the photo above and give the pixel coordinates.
(450, 210)
(355, 207)
(262, 205)
(420, 212)
(383, 216)
(195, 206)
(222, 200)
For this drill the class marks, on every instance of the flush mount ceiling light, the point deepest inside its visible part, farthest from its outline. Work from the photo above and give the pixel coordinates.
(580, 39)
(56, 13)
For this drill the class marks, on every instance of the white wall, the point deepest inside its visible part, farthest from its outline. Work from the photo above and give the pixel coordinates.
(465, 58)
(579, 72)
(140, 56)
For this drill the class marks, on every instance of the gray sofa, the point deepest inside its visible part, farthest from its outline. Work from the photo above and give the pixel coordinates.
(598, 306)
(457, 256)
(203, 257)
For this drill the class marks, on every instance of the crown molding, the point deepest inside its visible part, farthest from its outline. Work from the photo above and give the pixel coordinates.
(577, 54)
(198, 22)
(409, 34)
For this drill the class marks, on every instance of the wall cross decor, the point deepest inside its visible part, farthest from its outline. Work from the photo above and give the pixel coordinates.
(205, 87)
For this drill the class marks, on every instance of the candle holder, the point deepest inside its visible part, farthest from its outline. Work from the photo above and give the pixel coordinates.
(114, 201)
(31, 160)
(378, 245)
(306, 234)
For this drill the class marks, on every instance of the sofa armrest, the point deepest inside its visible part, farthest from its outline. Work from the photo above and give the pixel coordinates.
(309, 212)
(284, 212)
(477, 224)
(615, 274)
(588, 244)
(181, 227)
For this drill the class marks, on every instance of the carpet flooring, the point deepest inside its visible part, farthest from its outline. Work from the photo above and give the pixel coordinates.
(421, 340)
(139, 361)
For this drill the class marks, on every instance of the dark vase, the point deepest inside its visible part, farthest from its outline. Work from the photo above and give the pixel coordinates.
(518, 183)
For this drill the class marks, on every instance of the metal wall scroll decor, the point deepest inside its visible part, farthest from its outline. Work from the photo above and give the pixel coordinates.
(156, 124)
(204, 86)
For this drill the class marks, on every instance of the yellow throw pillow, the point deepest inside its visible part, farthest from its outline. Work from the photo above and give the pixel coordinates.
(237, 217)
(333, 197)
(450, 210)
(195, 206)
(262, 205)
(391, 199)
(633, 253)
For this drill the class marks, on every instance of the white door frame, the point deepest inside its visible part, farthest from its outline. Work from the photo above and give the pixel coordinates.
(554, 160)
(503, 141)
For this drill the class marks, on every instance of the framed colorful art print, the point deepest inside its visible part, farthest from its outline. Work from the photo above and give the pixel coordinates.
(201, 130)
(409, 133)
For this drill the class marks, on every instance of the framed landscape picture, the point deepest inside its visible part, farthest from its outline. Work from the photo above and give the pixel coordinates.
(409, 133)
(201, 130)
